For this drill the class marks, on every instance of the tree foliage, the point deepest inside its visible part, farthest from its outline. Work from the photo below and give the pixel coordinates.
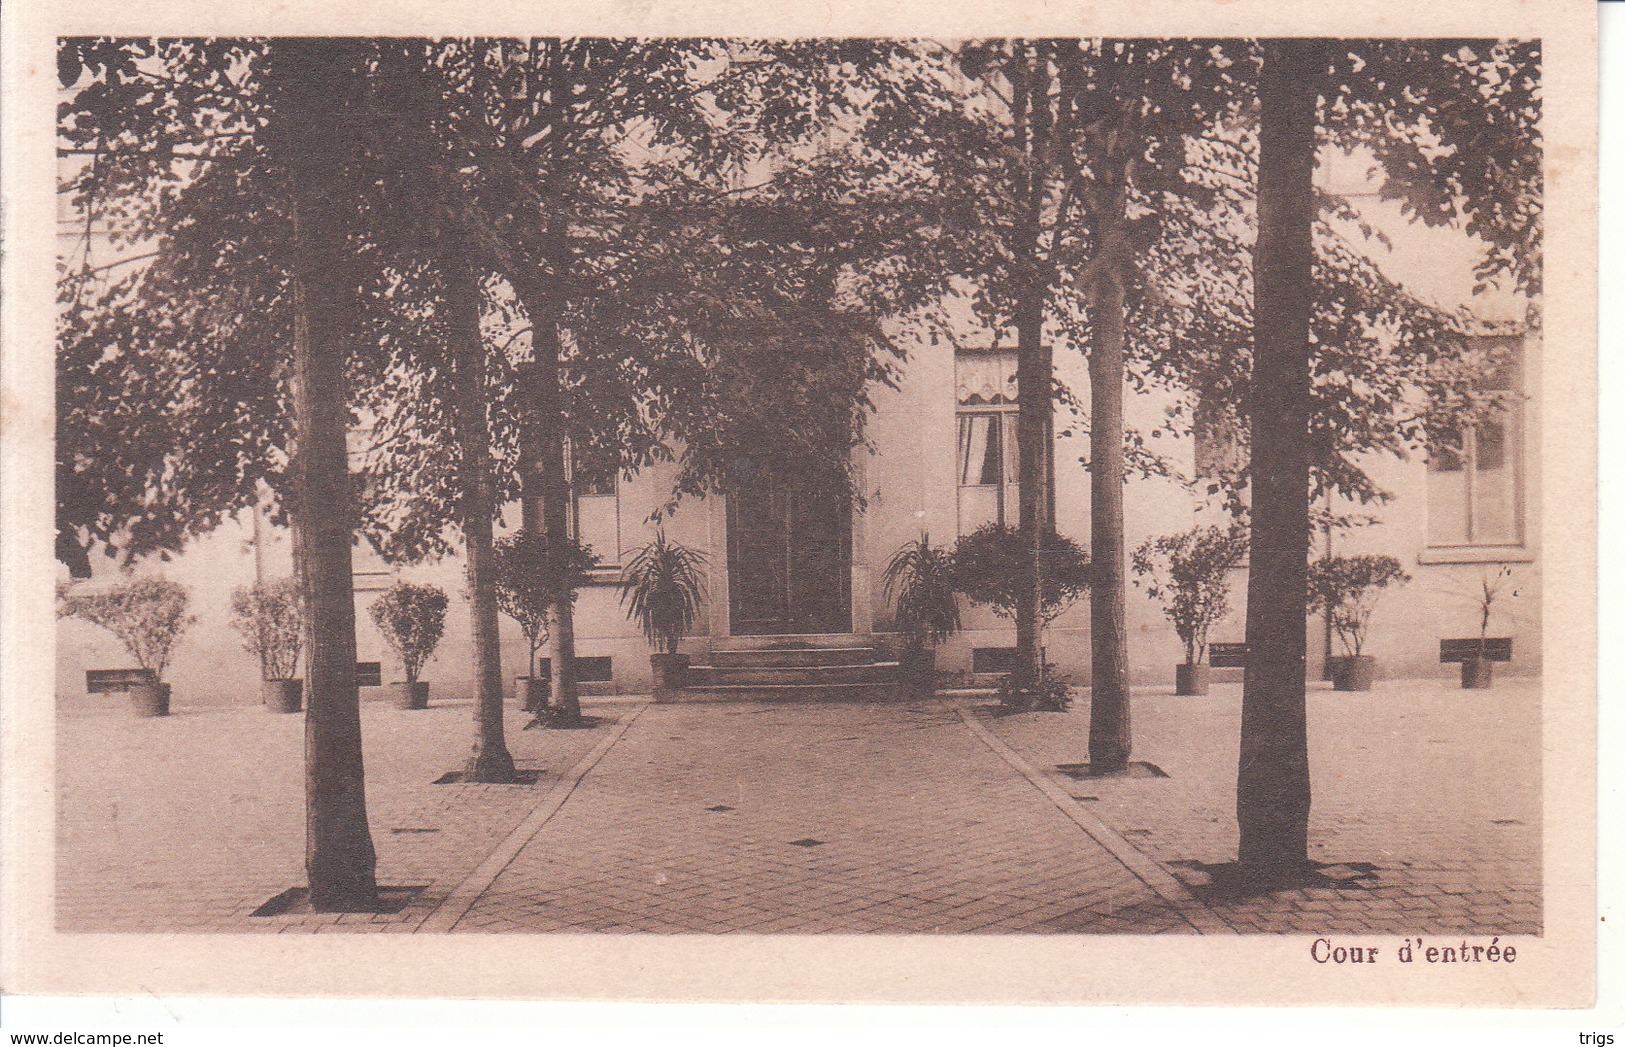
(987, 561)
(1346, 588)
(270, 617)
(526, 574)
(148, 615)
(412, 619)
(1189, 573)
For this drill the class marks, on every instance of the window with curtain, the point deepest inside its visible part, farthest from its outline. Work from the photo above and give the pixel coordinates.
(986, 468)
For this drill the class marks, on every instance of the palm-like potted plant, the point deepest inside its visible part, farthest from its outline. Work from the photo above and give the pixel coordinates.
(920, 577)
(1346, 589)
(661, 589)
(271, 620)
(1477, 670)
(412, 619)
(525, 588)
(148, 615)
(1189, 574)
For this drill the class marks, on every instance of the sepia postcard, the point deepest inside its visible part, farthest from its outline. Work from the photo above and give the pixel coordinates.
(1081, 503)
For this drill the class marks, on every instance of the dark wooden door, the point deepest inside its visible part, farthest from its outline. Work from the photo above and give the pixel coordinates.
(789, 561)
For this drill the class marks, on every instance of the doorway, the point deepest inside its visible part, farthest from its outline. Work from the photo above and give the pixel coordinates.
(789, 561)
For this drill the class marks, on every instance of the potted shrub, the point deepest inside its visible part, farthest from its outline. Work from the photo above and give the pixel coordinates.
(148, 615)
(661, 590)
(1346, 589)
(987, 568)
(412, 619)
(1477, 670)
(271, 621)
(524, 591)
(920, 578)
(1189, 574)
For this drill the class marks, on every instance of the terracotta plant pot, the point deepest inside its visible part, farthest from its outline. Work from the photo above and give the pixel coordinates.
(671, 675)
(532, 693)
(411, 695)
(283, 696)
(1354, 672)
(1191, 680)
(149, 699)
(918, 669)
(1477, 674)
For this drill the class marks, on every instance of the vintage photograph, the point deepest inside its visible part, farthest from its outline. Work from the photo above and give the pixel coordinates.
(656, 486)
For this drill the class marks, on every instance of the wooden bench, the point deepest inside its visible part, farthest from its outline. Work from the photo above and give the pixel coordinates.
(107, 681)
(1227, 655)
(1496, 649)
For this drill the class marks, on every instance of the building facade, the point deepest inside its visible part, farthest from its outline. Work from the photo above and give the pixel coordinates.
(939, 459)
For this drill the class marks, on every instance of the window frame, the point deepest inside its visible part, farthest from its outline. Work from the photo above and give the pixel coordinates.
(1008, 487)
(606, 569)
(1513, 419)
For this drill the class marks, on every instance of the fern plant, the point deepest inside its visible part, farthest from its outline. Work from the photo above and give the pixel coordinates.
(920, 577)
(661, 589)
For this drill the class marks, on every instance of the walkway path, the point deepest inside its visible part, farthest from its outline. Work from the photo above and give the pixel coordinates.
(930, 817)
(832, 818)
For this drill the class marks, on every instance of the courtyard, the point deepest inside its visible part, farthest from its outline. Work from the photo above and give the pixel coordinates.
(936, 817)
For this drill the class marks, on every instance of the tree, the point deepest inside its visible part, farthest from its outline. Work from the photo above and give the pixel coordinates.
(1455, 125)
(1138, 105)
(309, 80)
(241, 160)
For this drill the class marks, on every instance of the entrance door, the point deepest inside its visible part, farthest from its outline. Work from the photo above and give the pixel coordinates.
(789, 561)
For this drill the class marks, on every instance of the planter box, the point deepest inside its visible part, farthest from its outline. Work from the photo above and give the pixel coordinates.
(918, 670)
(149, 699)
(532, 694)
(671, 675)
(1354, 672)
(1477, 674)
(1191, 680)
(411, 695)
(283, 696)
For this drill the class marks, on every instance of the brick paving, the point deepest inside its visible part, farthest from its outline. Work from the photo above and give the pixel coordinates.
(932, 817)
(191, 822)
(1426, 810)
(813, 818)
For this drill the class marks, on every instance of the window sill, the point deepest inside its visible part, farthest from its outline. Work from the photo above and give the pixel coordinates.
(1446, 554)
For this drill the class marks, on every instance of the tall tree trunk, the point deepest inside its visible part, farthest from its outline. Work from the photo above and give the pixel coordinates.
(1110, 737)
(339, 857)
(1034, 363)
(546, 490)
(1272, 788)
(489, 760)
(1034, 367)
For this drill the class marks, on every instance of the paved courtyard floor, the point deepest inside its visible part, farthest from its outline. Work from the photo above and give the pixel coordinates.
(938, 817)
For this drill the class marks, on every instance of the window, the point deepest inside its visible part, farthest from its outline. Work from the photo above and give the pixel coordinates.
(595, 512)
(1475, 479)
(987, 468)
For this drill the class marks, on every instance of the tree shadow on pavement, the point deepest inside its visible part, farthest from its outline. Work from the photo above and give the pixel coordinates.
(1232, 881)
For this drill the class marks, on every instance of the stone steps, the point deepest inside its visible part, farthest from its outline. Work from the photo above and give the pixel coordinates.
(794, 669)
(794, 657)
(773, 675)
